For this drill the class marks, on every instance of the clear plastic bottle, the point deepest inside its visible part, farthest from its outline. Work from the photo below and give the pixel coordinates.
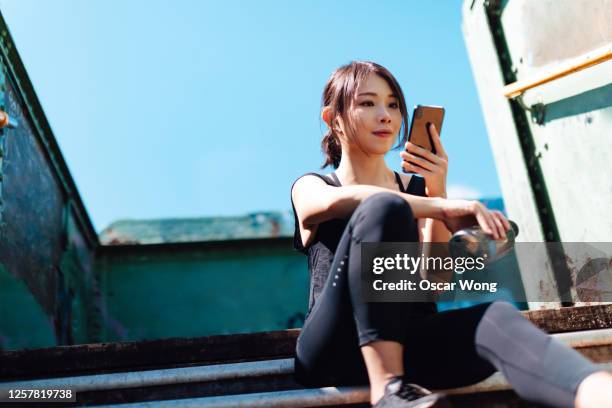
(473, 242)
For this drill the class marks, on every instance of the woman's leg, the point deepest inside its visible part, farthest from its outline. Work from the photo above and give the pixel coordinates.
(460, 347)
(440, 351)
(340, 322)
(539, 367)
(381, 326)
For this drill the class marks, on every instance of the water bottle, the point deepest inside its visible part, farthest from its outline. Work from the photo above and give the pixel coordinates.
(473, 242)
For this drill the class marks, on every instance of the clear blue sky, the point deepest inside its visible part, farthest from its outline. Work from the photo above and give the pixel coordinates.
(201, 108)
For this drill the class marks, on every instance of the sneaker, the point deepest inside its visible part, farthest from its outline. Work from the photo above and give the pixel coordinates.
(403, 395)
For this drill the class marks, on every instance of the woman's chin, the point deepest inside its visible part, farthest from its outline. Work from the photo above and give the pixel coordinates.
(378, 152)
(377, 148)
(380, 149)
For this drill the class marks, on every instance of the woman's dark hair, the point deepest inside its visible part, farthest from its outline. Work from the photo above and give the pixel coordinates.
(339, 95)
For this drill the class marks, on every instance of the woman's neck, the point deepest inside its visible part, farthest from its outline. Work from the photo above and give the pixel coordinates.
(357, 168)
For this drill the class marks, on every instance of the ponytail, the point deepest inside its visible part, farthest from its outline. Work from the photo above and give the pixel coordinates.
(330, 145)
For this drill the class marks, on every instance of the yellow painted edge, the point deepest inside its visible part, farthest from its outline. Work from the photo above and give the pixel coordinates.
(585, 61)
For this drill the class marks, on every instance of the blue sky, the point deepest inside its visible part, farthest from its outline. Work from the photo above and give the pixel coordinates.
(199, 108)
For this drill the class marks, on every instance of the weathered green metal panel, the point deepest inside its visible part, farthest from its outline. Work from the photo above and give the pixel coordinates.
(233, 287)
(77, 266)
(23, 322)
(30, 243)
(47, 242)
(269, 224)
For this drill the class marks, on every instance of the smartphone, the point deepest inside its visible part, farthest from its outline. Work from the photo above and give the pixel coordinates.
(421, 118)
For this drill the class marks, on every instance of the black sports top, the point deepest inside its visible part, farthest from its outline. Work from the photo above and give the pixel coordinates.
(322, 249)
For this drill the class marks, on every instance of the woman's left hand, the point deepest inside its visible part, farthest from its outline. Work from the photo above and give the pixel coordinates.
(433, 167)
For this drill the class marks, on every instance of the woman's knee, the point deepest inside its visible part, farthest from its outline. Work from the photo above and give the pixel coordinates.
(385, 206)
(498, 315)
(500, 311)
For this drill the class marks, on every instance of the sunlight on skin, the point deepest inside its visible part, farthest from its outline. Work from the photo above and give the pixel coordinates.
(595, 391)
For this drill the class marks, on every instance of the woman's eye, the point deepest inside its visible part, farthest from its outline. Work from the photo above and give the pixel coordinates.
(366, 103)
(394, 105)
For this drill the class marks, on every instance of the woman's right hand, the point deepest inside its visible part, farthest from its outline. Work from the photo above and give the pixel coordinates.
(459, 214)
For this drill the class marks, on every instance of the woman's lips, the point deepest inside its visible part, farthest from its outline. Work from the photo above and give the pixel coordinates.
(383, 133)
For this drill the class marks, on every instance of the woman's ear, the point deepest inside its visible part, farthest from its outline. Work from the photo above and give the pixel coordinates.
(326, 116)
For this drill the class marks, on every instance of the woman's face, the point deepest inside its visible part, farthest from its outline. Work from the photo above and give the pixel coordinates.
(376, 114)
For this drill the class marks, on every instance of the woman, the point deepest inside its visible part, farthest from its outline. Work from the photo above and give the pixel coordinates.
(348, 341)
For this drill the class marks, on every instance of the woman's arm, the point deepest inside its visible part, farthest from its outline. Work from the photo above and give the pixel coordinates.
(434, 168)
(435, 230)
(316, 201)
(439, 232)
(434, 235)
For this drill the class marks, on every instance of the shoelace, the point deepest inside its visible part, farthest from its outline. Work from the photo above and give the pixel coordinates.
(409, 393)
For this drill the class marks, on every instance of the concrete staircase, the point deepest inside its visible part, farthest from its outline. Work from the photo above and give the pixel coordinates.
(250, 370)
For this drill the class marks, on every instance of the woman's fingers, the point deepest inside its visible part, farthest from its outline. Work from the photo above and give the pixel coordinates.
(486, 220)
(414, 159)
(497, 223)
(424, 153)
(482, 221)
(501, 231)
(502, 218)
(409, 167)
(505, 221)
(435, 137)
(492, 222)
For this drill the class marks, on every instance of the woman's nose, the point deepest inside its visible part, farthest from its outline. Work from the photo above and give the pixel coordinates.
(384, 116)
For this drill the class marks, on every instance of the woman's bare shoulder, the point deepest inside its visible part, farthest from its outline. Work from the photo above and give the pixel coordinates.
(318, 178)
(307, 185)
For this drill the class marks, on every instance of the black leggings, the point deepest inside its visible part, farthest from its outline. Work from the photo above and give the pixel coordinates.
(441, 350)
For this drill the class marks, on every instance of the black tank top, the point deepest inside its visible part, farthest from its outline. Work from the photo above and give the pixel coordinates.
(321, 250)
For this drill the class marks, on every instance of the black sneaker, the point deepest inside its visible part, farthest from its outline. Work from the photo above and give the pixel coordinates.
(403, 395)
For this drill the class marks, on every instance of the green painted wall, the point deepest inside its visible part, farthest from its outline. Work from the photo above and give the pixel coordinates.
(202, 291)
(23, 322)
